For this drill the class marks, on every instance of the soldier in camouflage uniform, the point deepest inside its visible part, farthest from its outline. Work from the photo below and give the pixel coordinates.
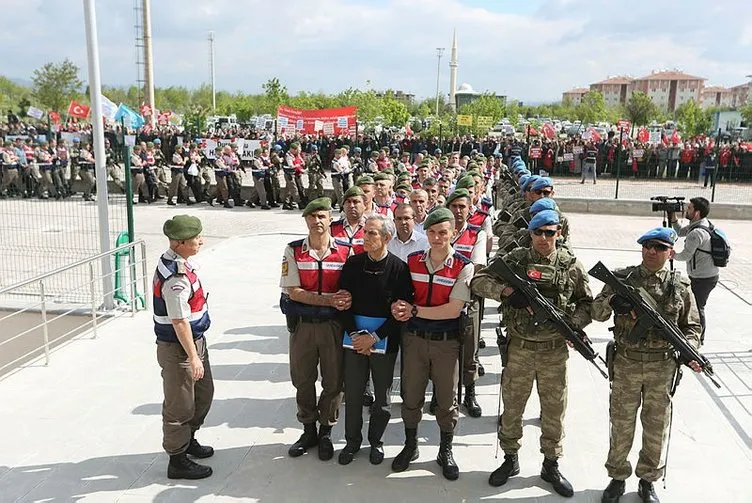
(113, 171)
(536, 353)
(316, 174)
(645, 372)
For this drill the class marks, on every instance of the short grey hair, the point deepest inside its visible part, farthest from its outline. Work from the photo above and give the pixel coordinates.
(387, 226)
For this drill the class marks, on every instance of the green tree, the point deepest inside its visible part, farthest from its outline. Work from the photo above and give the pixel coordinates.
(512, 112)
(276, 94)
(592, 107)
(746, 112)
(395, 113)
(56, 84)
(693, 119)
(640, 109)
(11, 94)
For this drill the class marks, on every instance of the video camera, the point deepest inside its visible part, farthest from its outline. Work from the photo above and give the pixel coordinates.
(668, 204)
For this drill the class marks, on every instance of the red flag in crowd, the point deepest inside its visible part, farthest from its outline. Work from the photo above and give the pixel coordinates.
(675, 138)
(594, 136)
(408, 130)
(78, 110)
(532, 131)
(146, 110)
(164, 118)
(548, 131)
(54, 117)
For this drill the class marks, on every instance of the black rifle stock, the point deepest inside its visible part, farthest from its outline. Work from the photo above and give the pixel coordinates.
(544, 311)
(648, 317)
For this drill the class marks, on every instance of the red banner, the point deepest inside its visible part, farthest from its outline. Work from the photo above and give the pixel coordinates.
(548, 131)
(164, 118)
(643, 135)
(146, 110)
(535, 153)
(328, 121)
(78, 110)
(54, 117)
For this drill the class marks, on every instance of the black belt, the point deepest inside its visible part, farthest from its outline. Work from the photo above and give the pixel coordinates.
(644, 356)
(314, 319)
(436, 336)
(537, 345)
(177, 169)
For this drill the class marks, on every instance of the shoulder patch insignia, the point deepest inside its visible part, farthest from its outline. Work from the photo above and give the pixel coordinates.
(534, 274)
(285, 266)
(177, 288)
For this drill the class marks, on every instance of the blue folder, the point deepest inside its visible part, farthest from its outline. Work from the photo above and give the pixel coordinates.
(367, 323)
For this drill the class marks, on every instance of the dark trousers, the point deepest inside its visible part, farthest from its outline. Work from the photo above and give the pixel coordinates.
(186, 402)
(701, 288)
(357, 370)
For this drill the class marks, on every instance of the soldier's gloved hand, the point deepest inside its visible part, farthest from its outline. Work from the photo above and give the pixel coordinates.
(518, 300)
(620, 305)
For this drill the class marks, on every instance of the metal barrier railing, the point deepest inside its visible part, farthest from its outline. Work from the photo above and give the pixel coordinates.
(101, 302)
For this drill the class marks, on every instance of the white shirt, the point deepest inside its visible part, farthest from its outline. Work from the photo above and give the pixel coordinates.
(417, 242)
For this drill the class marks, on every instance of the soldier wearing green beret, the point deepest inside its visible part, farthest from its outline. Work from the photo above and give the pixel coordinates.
(367, 185)
(383, 199)
(181, 318)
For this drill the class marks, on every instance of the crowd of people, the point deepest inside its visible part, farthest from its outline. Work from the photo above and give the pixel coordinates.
(406, 269)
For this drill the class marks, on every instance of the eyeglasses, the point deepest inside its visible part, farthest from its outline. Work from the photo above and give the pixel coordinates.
(547, 232)
(544, 192)
(403, 219)
(655, 246)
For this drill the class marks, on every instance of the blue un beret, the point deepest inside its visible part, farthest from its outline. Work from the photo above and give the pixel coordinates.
(542, 183)
(545, 217)
(543, 204)
(523, 180)
(665, 235)
(530, 182)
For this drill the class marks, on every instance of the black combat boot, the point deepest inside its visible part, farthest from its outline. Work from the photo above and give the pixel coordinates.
(408, 453)
(613, 492)
(509, 468)
(326, 449)
(181, 467)
(551, 474)
(449, 468)
(308, 439)
(470, 403)
(199, 451)
(347, 454)
(646, 491)
(170, 202)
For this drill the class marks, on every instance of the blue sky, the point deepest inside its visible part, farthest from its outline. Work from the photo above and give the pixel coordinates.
(529, 50)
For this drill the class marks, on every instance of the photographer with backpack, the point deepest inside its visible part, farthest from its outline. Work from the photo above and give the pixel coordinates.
(705, 250)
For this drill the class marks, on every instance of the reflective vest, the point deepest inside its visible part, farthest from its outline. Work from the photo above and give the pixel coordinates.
(433, 289)
(486, 203)
(338, 232)
(29, 151)
(199, 317)
(478, 218)
(320, 276)
(465, 242)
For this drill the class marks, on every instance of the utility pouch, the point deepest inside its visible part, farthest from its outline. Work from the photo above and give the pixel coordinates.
(292, 323)
(610, 358)
(503, 342)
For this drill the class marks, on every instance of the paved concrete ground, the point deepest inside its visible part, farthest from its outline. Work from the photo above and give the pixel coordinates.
(87, 428)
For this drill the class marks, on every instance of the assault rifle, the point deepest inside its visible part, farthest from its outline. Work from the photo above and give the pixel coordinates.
(648, 318)
(544, 311)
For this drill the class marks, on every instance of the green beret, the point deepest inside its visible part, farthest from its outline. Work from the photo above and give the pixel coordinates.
(374, 154)
(437, 216)
(471, 165)
(295, 145)
(353, 191)
(465, 182)
(364, 180)
(404, 186)
(425, 164)
(320, 204)
(182, 227)
(456, 195)
(388, 171)
(381, 176)
(149, 144)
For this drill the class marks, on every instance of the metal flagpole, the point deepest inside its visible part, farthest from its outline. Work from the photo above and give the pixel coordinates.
(95, 88)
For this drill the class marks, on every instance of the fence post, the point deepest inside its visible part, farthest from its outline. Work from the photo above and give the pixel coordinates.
(45, 330)
(714, 176)
(618, 161)
(144, 274)
(93, 300)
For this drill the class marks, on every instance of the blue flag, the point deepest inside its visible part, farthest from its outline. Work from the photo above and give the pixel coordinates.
(131, 118)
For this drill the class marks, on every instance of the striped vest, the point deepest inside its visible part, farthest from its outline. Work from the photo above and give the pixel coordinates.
(321, 277)
(466, 241)
(338, 232)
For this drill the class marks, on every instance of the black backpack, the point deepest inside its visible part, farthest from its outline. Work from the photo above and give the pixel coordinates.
(720, 248)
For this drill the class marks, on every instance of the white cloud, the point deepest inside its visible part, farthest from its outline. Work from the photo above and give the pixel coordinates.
(334, 44)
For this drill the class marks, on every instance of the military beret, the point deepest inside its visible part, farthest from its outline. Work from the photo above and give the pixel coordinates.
(294, 145)
(149, 144)
(523, 180)
(277, 146)
(314, 147)
(542, 183)
(425, 164)
(182, 227)
(374, 154)
(218, 149)
(458, 193)
(381, 177)
(545, 217)
(353, 192)
(471, 165)
(404, 186)
(530, 181)
(465, 182)
(543, 204)
(157, 142)
(665, 235)
(404, 176)
(388, 171)
(357, 150)
(437, 151)
(364, 180)
(320, 204)
(523, 172)
(437, 216)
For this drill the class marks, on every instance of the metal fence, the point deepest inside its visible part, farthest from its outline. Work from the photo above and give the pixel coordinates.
(39, 314)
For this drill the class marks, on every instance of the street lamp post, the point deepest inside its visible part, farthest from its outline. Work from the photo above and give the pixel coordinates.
(439, 53)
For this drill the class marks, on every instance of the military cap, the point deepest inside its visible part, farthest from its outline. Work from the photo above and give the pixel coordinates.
(530, 181)
(364, 180)
(218, 149)
(542, 183)
(388, 171)
(75, 140)
(523, 180)
(320, 204)
(425, 164)
(277, 146)
(437, 216)
(149, 144)
(405, 175)
(314, 148)
(294, 145)
(182, 227)
(8, 143)
(353, 191)
(374, 154)
(545, 217)
(465, 182)
(380, 177)
(437, 151)
(404, 186)
(665, 235)
(543, 204)
(456, 195)
(159, 142)
(357, 150)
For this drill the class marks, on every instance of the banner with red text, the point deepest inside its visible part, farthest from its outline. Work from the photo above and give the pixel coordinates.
(328, 120)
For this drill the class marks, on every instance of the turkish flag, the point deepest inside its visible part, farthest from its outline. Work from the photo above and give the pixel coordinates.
(78, 110)
(675, 138)
(532, 131)
(54, 117)
(548, 131)
(643, 135)
(594, 136)
(408, 130)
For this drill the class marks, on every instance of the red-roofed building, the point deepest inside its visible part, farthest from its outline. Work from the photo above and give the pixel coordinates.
(575, 95)
(615, 90)
(670, 89)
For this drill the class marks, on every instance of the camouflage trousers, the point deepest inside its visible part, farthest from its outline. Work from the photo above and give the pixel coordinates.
(315, 186)
(548, 368)
(638, 382)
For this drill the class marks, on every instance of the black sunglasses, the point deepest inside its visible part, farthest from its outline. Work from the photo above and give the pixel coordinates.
(548, 232)
(544, 192)
(655, 246)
